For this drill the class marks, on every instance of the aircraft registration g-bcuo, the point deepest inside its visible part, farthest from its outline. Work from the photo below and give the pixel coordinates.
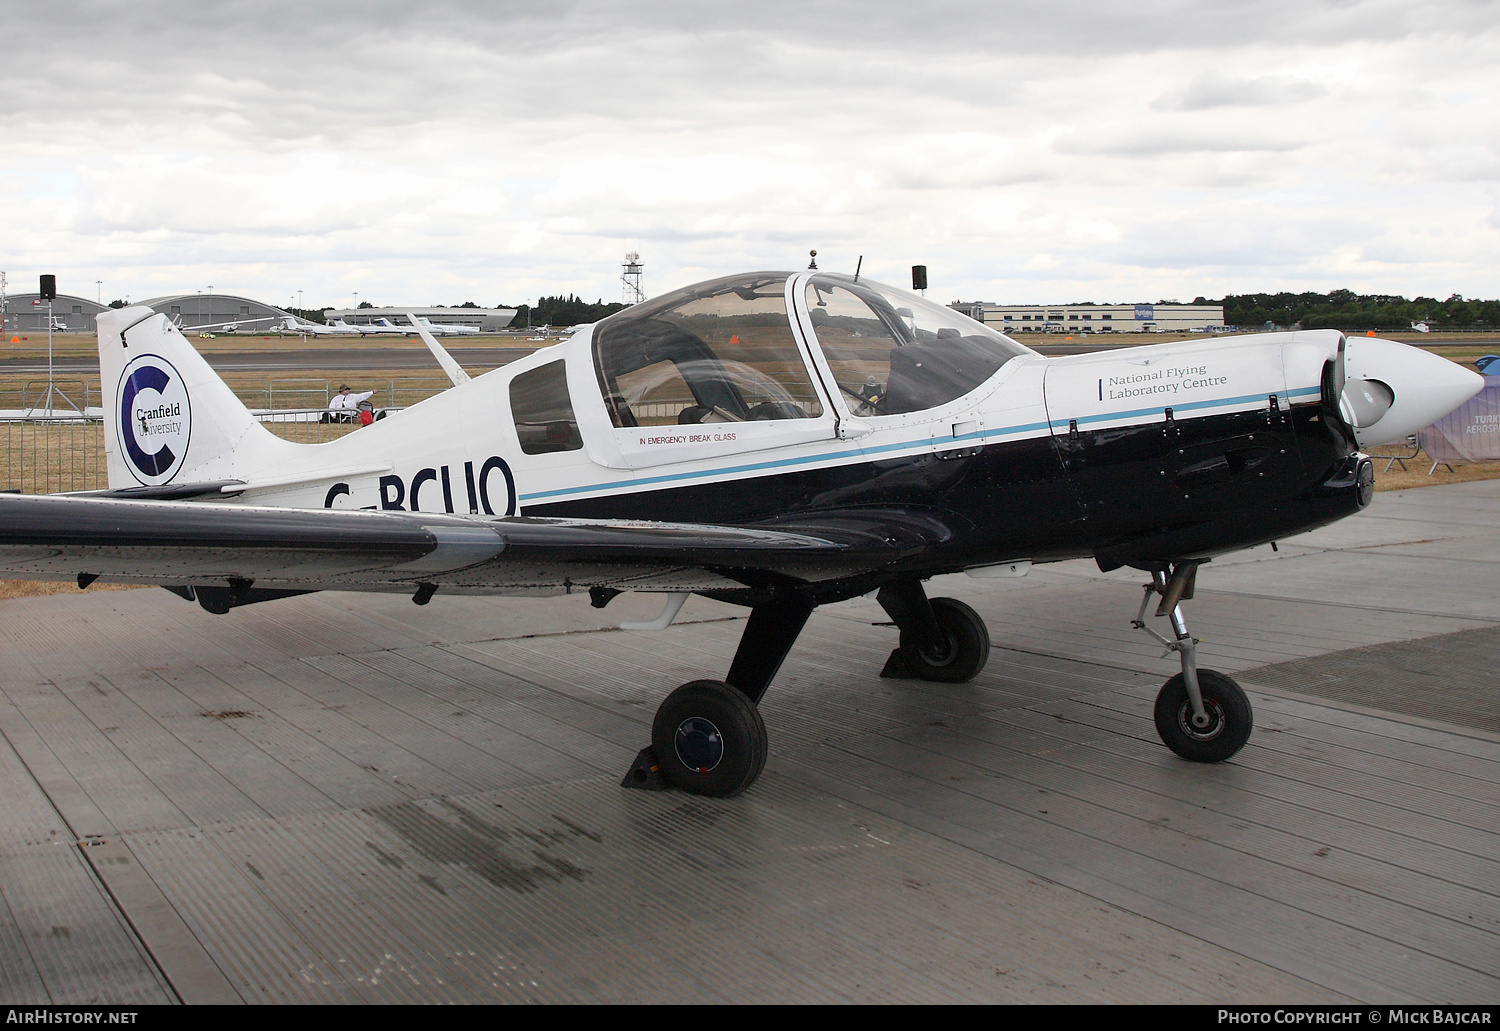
(774, 440)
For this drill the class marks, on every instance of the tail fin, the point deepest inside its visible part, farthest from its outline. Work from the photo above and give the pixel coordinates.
(168, 417)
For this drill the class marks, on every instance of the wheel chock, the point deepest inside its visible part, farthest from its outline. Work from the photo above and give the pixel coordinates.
(645, 773)
(896, 668)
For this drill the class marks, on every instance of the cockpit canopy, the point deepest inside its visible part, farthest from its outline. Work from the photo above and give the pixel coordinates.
(724, 351)
(720, 351)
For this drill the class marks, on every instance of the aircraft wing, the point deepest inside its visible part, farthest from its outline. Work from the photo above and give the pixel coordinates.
(54, 537)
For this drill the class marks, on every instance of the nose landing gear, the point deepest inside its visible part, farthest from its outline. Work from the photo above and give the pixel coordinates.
(1202, 715)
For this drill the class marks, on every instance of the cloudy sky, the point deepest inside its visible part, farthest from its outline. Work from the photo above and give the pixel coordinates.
(432, 153)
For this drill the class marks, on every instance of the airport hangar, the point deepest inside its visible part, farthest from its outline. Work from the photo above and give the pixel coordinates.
(1097, 318)
(28, 313)
(190, 311)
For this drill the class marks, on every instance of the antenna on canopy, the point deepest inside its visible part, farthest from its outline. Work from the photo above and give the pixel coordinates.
(857, 266)
(631, 279)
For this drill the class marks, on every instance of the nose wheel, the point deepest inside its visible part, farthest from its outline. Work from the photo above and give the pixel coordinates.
(1226, 724)
(1201, 714)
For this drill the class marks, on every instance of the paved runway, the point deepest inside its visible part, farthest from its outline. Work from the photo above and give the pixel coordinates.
(339, 798)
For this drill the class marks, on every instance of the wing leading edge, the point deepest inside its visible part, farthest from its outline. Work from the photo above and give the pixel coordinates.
(52, 537)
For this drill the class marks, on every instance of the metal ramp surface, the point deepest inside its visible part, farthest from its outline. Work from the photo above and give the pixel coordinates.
(340, 798)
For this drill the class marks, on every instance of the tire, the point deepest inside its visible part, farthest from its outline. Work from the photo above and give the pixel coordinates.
(709, 739)
(968, 645)
(1229, 711)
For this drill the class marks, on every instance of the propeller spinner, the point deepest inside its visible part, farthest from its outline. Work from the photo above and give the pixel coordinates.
(1388, 390)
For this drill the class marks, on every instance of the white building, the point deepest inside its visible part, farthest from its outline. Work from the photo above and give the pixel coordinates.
(1097, 318)
(487, 320)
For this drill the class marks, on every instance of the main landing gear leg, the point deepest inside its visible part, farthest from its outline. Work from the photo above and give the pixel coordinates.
(1202, 715)
(708, 737)
(942, 639)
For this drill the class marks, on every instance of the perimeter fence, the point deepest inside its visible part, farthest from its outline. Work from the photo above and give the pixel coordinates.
(53, 442)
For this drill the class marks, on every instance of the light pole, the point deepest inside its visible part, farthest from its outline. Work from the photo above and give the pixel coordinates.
(299, 301)
(356, 300)
(49, 356)
(99, 291)
(210, 321)
(49, 291)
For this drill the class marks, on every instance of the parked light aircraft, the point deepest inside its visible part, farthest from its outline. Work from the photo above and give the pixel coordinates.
(225, 327)
(380, 327)
(444, 329)
(292, 324)
(774, 440)
(338, 327)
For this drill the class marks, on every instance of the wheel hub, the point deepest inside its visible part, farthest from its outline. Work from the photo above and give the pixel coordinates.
(1212, 727)
(699, 744)
(941, 656)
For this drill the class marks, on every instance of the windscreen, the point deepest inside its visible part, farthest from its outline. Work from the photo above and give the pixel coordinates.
(893, 352)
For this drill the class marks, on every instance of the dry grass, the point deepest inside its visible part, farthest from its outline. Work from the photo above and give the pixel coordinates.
(36, 588)
(1415, 473)
(37, 459)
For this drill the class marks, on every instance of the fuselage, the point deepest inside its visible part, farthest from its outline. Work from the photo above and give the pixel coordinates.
(774, 399)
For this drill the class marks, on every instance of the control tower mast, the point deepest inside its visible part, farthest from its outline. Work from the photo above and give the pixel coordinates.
(630, 280)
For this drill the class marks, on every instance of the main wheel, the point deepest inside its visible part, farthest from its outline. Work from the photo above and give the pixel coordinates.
(709, 739)
(967, 651)
(1229, 718)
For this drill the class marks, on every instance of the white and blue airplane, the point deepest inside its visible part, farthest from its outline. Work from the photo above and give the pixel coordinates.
(775, 440)
(306, 327)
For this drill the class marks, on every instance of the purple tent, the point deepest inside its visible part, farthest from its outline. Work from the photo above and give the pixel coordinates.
(1469, 433)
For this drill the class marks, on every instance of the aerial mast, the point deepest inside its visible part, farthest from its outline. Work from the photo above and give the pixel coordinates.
(630, 280)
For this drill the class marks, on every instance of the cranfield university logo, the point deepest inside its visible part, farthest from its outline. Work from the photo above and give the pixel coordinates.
(155, 419)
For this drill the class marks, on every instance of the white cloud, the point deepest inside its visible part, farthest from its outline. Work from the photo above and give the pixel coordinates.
(454, 151)
(1212, 89)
